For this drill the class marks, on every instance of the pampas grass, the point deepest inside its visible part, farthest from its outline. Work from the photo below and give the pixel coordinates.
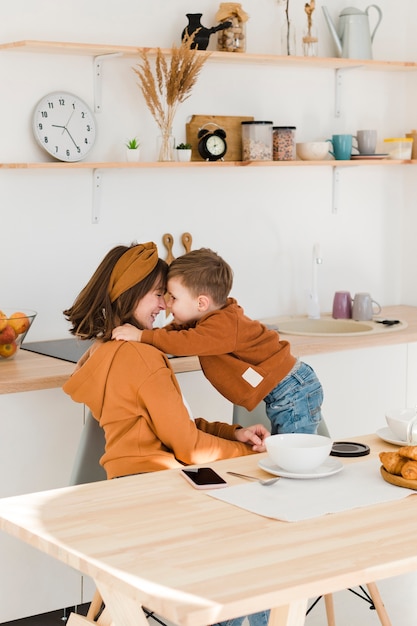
(170, 82)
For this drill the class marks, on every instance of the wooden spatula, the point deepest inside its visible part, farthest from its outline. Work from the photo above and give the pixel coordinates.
(187, 241)
(168, 241)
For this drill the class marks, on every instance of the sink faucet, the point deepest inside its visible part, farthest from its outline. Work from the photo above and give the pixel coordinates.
(313, 306)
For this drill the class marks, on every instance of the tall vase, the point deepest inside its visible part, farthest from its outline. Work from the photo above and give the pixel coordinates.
(310, 41)
(166, 145)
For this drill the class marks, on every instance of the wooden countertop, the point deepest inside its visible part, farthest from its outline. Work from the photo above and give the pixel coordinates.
(29, 371)
(304, 346)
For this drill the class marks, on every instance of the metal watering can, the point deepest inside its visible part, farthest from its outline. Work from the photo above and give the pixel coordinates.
(353, 37)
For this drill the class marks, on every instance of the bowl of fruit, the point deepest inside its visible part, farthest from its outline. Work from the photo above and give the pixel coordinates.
(14, 326)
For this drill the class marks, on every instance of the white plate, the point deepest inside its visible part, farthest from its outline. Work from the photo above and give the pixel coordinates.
(387, 435)
(329, 467)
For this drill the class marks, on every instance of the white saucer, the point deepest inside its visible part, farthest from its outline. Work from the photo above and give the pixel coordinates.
(387, 435)
(329, 467)
(369, 156)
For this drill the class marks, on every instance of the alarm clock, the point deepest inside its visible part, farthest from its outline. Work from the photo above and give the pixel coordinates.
(64, 126)
(212, 144)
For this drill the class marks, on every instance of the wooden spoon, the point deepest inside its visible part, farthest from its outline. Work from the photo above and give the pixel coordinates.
(187, 241)
(168, 241)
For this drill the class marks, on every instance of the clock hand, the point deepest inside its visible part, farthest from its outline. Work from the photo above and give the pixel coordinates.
(72, 139)
(69, 119)
(59, 126)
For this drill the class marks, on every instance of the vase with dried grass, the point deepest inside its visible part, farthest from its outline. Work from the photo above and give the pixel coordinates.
(167, 85)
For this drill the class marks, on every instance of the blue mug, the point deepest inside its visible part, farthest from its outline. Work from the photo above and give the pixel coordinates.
(342, 147)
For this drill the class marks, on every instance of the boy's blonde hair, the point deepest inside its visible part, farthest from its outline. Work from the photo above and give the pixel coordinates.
(203, 272)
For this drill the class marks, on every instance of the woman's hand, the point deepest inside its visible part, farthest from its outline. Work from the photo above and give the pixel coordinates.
(127, 332)
(253, 435)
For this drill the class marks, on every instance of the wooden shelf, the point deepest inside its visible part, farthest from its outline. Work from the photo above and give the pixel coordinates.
(55, 47)
(176, 164)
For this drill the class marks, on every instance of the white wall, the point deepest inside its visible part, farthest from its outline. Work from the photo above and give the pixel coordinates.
(264, 221)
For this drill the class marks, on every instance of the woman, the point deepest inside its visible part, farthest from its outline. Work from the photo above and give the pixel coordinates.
(130, 387)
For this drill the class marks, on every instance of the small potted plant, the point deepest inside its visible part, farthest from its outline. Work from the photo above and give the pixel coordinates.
(184, 152)
(132, 149)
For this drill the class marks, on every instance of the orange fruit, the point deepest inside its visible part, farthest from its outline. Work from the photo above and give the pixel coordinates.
(19, 322)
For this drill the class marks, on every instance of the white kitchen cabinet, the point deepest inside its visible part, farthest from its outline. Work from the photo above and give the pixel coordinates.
(359, 385)
(411, 399)
(40, 431)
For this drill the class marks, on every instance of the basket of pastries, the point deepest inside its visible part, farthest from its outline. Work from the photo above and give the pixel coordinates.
(400, 467)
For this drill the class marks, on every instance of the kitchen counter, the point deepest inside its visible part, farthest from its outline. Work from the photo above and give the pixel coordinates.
(29, 371)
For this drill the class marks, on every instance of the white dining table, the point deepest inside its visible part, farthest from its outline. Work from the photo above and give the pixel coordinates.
(153, 540)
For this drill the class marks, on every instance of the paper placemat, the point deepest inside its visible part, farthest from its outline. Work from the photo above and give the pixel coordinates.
(291, 500)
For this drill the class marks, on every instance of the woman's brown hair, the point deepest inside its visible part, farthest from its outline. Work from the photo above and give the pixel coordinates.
(93, 315)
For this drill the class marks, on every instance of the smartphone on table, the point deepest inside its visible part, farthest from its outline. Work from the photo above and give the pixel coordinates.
(203, 478)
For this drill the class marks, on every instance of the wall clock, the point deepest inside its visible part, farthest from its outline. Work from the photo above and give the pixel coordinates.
(64, 126)
(212, 144)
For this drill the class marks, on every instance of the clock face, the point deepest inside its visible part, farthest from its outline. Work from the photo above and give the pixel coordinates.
(215, 145)
(212, 145)
(64, 126)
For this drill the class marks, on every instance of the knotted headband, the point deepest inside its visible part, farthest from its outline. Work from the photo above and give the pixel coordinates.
(132, 267)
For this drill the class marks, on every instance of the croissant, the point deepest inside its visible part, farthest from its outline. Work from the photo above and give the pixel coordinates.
(392, 462)
(410, 452)
(409, 470)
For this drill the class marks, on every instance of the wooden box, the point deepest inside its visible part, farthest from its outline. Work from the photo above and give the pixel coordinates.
(231, 124)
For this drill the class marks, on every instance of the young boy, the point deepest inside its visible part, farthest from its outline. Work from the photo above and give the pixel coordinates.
(245, 361)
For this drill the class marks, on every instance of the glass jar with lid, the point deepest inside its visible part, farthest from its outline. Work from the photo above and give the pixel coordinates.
(283, 143)
(256, 141)
(232, 38)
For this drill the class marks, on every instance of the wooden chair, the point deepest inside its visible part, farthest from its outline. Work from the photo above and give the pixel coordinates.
(258, 416)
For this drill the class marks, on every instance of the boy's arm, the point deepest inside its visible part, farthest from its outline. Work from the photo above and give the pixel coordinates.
(207, 338)
(127, 332)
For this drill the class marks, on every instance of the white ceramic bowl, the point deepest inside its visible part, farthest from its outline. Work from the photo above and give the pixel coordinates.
(313, 150)
(298, 452)
(398, 420)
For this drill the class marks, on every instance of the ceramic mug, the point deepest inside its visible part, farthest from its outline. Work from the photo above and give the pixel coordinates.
(364, 308)
(366, 141)
(342, 305)
(342, 147)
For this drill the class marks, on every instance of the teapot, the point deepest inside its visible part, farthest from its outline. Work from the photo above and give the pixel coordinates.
(354, 40)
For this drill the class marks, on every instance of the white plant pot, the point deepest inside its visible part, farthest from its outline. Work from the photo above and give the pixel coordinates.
(184, 155)
(132, 155)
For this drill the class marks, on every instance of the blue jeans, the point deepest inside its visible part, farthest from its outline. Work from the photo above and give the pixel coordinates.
(255, 619)
(294, 406)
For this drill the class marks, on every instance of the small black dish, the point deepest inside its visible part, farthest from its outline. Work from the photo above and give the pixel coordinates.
(349, 448)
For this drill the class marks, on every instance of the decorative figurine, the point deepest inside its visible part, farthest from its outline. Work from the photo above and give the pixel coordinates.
(202, 34)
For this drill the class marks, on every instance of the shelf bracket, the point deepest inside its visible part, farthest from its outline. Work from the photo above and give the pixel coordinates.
(98, 74)
(335, 189)
(338, 87)
(97, 186)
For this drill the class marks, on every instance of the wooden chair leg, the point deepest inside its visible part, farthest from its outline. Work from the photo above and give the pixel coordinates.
(378, 604)
(95, 606)
(328, 601)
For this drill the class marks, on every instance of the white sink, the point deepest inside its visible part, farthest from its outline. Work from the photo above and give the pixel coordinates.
(326, 326)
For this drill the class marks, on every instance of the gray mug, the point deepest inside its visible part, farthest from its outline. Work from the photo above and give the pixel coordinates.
(366, 141)
(364, 308)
